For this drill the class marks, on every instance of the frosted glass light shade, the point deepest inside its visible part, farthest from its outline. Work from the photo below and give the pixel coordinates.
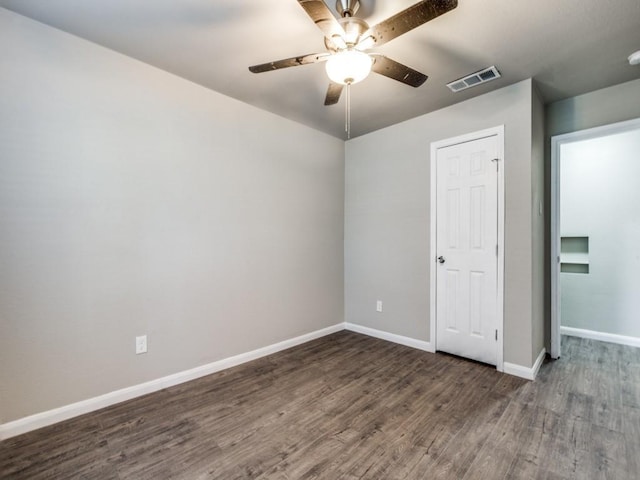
(348, 67)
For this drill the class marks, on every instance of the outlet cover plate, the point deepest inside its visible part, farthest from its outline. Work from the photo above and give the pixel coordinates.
(141, 344)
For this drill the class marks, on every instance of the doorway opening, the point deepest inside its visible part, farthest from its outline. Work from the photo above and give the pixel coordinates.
(595, 234)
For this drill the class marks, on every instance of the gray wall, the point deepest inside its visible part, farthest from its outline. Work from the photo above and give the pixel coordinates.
(387, 217)
(131, 202)
(538, 228)
(601, 107)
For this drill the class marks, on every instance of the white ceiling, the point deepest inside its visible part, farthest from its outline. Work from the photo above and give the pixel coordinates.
(568, 46)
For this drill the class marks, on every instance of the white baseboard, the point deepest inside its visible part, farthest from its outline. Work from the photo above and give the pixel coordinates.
(43, 419)
(391, 337)
(529, 373)
(601, 336)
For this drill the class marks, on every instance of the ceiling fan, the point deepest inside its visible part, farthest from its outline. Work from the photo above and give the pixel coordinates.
(349, 38)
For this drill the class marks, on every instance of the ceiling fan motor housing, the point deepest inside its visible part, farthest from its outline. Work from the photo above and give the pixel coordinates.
(354, 28)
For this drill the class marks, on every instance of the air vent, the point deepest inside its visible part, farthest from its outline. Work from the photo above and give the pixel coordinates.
(474, 79)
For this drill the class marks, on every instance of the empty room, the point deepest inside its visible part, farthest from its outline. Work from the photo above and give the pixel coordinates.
(307, 239)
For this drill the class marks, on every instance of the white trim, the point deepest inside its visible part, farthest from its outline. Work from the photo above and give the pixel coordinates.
(43, 419)
(556, 143)
(495, 131)
(601, 336)
(528, 373)
(555, 248)
(433, 215)
(390, 337)
(539, 361)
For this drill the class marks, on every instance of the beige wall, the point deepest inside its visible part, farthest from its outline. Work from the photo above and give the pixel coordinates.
(133, 202)
(387, 217)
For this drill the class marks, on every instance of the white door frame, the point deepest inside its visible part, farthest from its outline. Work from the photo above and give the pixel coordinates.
(556, 144)
(490, 132)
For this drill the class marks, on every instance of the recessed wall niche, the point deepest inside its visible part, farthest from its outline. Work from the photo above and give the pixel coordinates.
(574, 254)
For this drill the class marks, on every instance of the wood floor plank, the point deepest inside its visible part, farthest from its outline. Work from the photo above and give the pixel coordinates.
(349, 407)
(72, 449)
(555, 444)
(498, 452)
(460, 453)
(607, 459)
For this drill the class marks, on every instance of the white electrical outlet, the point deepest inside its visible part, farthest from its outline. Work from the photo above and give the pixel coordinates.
(141, 344)
(379, 306)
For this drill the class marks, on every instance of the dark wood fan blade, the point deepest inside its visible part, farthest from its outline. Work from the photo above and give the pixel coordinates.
(409, 19)
(290, 62)
(323, 18)
(333, 93)
(392, 69)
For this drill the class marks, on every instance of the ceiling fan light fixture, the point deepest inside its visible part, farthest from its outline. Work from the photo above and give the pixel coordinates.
(348, 67)
(634, 58)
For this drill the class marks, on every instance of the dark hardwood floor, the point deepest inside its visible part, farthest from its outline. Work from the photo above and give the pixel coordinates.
(352, 407)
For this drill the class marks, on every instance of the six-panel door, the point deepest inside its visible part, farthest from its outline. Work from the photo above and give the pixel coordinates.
(467, 238)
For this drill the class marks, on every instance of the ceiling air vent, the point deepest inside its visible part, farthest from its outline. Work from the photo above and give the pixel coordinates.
(477, 78)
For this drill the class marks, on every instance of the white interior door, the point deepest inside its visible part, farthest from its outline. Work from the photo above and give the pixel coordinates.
(467, 249)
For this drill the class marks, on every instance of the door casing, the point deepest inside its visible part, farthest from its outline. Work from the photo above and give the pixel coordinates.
(499, 133)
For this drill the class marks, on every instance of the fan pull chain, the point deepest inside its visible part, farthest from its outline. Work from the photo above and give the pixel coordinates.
(347, 114)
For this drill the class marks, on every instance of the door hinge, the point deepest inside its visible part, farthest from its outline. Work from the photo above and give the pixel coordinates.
(496, 335)
(496, 250)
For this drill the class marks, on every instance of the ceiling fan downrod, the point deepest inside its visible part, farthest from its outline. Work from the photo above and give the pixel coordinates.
(347, 8)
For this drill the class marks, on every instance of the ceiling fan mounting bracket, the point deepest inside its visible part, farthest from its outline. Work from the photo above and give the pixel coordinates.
(347, 8)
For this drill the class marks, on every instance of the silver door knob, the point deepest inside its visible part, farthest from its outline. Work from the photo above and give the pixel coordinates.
(441, 259)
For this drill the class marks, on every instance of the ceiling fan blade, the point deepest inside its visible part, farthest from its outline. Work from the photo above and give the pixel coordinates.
(290, 62)
(397, 71)
(409, 19)
(323, 18)
(333, 93)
